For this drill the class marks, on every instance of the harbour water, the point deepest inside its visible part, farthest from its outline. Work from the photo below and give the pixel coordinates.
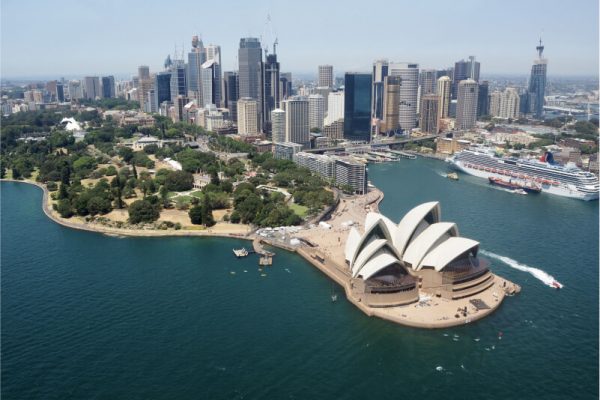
(90, 316)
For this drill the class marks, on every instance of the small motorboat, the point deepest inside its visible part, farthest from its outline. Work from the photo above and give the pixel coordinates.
(452, 175)
(556, 285)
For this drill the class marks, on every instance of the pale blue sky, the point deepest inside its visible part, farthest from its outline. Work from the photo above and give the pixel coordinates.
(82, 37)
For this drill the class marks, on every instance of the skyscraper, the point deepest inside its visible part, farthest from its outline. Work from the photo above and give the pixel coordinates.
(357, 106)
(335, 107)
(537, 84)
(380, 71)
(505, 104)
(409, 88)
(144, 85)
(179, 85)
(162, 88)
(464, 70)
(75, 90)
(427, 81)
(316, 111)
(296, 121)
(108, 87)
(391, 104)
(250, 70)
(278, 125)
(271, 88)
(92, 87)
(211, 75)
(247, 114)
(285, 85)
(211, 84)
(466, 106)
(231, 92)
(429, 122)
(325, 76)
(483, 99)
(196, 58)
(444, 89)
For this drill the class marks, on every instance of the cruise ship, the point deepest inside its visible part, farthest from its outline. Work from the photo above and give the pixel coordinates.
(568, 181)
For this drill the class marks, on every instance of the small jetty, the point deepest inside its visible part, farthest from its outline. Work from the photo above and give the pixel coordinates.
(402, 154)
(266, 257)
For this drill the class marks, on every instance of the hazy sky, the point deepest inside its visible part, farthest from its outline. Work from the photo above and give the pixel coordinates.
(85, 37)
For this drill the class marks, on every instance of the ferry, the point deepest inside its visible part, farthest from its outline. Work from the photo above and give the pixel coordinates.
(567, 181)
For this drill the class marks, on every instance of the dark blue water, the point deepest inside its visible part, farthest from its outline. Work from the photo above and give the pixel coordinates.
(90, 316)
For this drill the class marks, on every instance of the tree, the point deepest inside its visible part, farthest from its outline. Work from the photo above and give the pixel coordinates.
(135, 175)
(195, 214)
(178, 181)
(126, 154)
(64, 208)
(98, 205)
(207, 217)
(142, 211)
(164, 196)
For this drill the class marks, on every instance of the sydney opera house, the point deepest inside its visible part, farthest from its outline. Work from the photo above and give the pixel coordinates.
(394, 264)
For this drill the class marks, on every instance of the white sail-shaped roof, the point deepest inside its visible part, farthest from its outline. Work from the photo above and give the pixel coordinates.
(446, 252)
(368, 235)
(427, 241)
(411, 221)
(365, 254)
(351, 244)
(376, 264)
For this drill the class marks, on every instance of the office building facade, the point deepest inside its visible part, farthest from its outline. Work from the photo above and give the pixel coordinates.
(409, 88)
(444, 92)
(466, 105)
(325, 76)
(357, 106)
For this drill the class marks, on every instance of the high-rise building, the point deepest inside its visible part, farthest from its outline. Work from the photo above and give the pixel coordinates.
(391, 104)
(179, 85)
(483, 99)
(213, 53)
(537, 84)
(196, 58)
(108, 87)
(466, 106)
(409, 88)
(60, 92)
(250, 71)
(444, 89)
(211, 84)
(464, 70)
(505, 104)
(92, 87)
(231, 92)
(380, 71)
(285, 85)
(51, 89)
(278, 125)
(144, 85)
(162, 88)
(325, 76)
(335, 107)
(247, 116)
(75, 90)
(428, 81)
(271, 90)
(296, 120)
(316, 111)
(357, 106)
(430, 113)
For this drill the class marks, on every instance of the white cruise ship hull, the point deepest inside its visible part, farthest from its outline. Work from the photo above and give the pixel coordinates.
(559, 190)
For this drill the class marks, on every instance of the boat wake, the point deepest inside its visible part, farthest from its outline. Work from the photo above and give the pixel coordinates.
(537, 273)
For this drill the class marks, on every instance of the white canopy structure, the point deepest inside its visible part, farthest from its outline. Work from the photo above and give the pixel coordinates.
(448, 251)
(416, 221)
(428, 240)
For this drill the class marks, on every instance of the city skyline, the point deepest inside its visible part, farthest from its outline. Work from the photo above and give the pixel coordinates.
(301, 48)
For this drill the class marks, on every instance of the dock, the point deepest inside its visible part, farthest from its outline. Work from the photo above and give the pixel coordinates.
(402, 154)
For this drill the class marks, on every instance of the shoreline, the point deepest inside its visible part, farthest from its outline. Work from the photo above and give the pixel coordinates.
(118, 231)
(327, 266)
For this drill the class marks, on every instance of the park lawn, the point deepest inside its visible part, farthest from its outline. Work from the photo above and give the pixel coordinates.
(184, 198)
(198, 194)
(299, 209)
